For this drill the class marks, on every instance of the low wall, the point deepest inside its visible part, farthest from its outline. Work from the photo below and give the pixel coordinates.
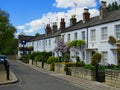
(82, 73)
(30, 62)
(39, 64)
(59, 68)
(46, 66)
(112, 78)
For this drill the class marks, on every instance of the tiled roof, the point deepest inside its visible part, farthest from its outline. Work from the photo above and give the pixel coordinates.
(26, 38)
(109, 17)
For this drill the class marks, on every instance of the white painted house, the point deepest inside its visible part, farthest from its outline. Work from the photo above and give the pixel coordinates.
(95, 31)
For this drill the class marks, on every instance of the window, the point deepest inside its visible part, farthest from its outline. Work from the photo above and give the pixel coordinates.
(68, 37)
(92, 35)
(83, 35)
(118, 31)
(43, 43)
(104, 58)
(75, 36)
(104, 33)
(49, 42)
(46, 42)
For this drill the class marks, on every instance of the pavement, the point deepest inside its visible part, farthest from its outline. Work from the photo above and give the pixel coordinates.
(4, 81)
(79, 82)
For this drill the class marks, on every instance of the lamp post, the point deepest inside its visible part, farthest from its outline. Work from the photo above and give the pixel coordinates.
(23, 42)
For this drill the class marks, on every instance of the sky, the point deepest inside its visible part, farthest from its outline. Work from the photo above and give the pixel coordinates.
(31, 16)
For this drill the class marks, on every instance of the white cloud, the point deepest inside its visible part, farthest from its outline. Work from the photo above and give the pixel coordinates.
(20, 27)
(38, 25)
(70, 3)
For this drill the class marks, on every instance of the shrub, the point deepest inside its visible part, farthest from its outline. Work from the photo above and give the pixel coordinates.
(96, 58)
(90, 67)
(25, 58)
(112, 40)
(52, 60)
(79, 64)
(33, 55)
(52, 67)
(66, 57)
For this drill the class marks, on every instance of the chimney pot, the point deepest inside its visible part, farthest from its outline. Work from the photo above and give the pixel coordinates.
(86, 15)
(72, 20)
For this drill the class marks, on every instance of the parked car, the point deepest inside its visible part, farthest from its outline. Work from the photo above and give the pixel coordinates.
(3, 58)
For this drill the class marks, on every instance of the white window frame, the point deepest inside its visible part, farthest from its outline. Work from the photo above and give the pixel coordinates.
(117, 30)
(75, 36)
(49, 42)
(93, 35)
(104, 33)
(104, 57)
(83, 35)
(68, 37)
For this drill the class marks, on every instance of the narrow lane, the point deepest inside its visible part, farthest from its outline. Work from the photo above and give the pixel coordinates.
(31, 79)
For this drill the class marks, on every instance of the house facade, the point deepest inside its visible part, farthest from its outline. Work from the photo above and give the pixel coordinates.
(94, 31)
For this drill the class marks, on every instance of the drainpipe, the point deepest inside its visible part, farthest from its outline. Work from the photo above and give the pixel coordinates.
(87, 37)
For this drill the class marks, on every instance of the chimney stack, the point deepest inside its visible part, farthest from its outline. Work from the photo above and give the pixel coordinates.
(48, 29)
(86, 15)
(72, 20)
(62, 24)
(103, 9)
(54, 27)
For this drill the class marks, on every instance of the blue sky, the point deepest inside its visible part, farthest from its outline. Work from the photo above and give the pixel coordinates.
(31, 16)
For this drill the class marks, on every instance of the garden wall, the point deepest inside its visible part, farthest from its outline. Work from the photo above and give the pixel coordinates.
(82, 73)
(59, 68)
(112, 78)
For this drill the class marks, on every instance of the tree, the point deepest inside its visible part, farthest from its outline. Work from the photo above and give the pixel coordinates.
(114, 6)
(7, 31)
(37, 34)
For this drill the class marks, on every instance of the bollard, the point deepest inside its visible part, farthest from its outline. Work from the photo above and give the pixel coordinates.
(7, 66)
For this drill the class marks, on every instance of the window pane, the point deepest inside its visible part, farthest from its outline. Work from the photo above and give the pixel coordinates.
(93, 36)
(117, 31)
(104, 33)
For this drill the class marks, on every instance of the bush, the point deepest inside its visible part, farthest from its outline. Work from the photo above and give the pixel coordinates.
(96, 58)
(40, 56)
(66, 57)
(90, 67)
(52, 67)
(112, 40)
(52, 60)
(33, 55)
(79, 64)
(25, 58)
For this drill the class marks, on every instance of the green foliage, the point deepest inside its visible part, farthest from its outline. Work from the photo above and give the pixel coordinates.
(33, 55)
(79, 64)
(90, 67)
(114, 6)
(96, 58)
(7, 31)
(40, 56)
(101, 68)
(77, 43)
(52, 59)
(25, 58)
(71, 64)
(66, 57)
(112, 40)
(52, 67)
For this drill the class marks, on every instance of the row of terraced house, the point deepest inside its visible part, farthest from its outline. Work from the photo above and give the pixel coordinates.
(94, 31)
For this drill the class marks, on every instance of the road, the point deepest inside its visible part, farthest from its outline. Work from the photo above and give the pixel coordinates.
(30, 79)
